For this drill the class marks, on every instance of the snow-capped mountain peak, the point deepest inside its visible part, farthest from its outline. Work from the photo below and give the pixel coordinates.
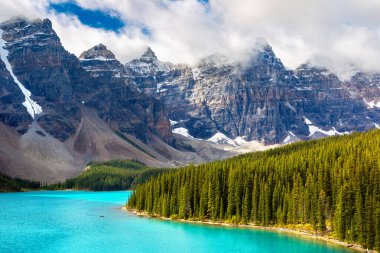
(147, 64)
(148, 55)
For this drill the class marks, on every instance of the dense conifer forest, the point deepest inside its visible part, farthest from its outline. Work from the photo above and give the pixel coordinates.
(110, 176)
(9, 184)
(331, 185)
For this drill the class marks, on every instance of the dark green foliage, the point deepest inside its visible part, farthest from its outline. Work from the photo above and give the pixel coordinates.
(110, 176)
(9, 184)
(122, 136)
(180, 145)
(332, 184)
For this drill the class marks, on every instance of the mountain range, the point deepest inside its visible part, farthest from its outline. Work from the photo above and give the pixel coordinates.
(58, 112)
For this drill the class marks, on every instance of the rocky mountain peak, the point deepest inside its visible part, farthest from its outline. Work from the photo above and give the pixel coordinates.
(149, 55)
(98, 52)
(147, 64)
(19, 31)
(101, 62)
(264, 54)
(19, 22)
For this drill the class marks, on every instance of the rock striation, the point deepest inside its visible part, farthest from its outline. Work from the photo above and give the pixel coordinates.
(259, 99)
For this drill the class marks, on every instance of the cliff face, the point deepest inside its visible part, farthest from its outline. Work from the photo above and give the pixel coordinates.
(61, 84)
(259, 99)
(12, 111)
(58, 112)
(118, 100)
(40, 64)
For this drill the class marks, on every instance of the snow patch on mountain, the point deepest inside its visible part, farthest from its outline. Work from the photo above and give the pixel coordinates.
(220, 138)
(98, 58)
(314, 129)
(31, 106)
(307, 121)
(290, 138)
(287, 139)
(147, 64)
(372, 104)
(182, 131)
(291, 107)
(243, 146)
(240, 141)
(173, 122)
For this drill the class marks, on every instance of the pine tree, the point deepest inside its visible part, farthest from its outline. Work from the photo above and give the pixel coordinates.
(332, 184)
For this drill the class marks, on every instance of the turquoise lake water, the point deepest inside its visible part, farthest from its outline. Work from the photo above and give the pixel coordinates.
(70, 221)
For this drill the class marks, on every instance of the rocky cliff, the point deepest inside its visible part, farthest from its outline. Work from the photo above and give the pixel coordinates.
(258, 98)
(49, 95)
(61, 84)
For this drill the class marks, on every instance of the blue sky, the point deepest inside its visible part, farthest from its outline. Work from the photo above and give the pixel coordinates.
(93, 18)
(109, 20)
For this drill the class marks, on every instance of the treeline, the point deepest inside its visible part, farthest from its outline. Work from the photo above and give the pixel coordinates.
(331, 185)
(110, 176)
(9, 184)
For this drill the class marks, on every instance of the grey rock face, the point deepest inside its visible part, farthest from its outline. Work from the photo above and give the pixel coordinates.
(259, 98)
(63, 84)
(99, 61)
(118, 100)
(367, 87)
(41, 64)
(12, 112)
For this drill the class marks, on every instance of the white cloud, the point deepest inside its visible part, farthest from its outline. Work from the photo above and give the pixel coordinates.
(339, 34)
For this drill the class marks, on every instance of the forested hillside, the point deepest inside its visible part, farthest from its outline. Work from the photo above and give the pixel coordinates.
(110, 176)
(9, 184)
(332, 184)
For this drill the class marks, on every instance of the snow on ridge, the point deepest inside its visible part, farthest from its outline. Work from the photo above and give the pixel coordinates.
(173, 122)
(220, 138)
(287, 139)
(290, 138)
(142, 67)
(31, 106)
(98, 58)
(30, 36)
(307, 121)
(304, 88)
(182, 131)
(314, 129)
(240, 141)
(372, 104)
(290, 106)
(159, 86)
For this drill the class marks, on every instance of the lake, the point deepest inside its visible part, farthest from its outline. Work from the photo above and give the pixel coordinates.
(80, 221)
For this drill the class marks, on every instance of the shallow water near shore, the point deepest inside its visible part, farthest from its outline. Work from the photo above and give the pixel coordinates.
(80, 221)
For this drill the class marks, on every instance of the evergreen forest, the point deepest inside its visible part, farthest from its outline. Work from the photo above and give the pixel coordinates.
(331, 185)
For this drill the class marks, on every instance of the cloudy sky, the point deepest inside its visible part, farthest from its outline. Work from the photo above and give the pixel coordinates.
(340, 34)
